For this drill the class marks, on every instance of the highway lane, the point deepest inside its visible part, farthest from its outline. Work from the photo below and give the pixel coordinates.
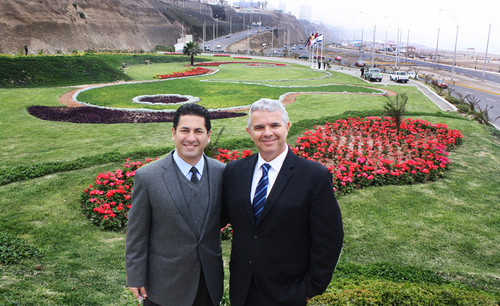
(226, 40)
(486, 100)
(474, 73)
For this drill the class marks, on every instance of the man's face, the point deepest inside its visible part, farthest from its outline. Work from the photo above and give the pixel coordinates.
(191, 138)
(268, 131)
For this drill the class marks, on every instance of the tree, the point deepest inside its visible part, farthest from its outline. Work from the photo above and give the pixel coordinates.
(191, 49)
(396, 108)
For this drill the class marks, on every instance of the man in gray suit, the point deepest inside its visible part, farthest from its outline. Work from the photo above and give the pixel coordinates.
(173, 253)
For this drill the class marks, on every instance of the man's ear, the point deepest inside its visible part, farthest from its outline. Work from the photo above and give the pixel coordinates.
(173, 134)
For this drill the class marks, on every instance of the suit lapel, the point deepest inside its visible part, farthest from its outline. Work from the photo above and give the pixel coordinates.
(212, 188)
(249, 169)
(284, 176)
(174, 188)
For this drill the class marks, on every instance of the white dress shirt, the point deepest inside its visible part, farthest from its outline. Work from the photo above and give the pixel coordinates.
(274, 170)
(186, 168)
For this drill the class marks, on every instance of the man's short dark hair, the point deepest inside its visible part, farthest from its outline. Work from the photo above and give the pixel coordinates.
(193, 109)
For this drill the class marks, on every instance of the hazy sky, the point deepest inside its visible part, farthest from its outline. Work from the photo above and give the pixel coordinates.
(421, 17)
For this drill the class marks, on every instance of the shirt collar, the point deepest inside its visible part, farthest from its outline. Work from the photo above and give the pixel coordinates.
(276, 163)
(185, 167)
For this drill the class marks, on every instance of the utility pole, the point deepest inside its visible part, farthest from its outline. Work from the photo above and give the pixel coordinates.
(272, 41)
(204, 33)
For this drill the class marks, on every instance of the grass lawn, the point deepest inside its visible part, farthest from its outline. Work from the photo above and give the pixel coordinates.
(449, 226)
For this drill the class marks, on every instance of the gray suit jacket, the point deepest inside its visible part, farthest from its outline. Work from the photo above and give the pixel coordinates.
(163, 251)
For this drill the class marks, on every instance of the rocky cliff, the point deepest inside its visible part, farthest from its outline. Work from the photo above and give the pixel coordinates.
(65, 25)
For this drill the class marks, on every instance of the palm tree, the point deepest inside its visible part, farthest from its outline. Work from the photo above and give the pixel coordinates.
(192, 49)
(396, 108)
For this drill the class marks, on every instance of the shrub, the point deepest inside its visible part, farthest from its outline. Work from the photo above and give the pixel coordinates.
(390, 272)
(108, 202)
(26, 172)
(51, 71)
(391, 293)
(14, 249)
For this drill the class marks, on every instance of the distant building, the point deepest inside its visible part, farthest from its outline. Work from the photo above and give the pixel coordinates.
(305, 12)
(181, 42)
(247, 4)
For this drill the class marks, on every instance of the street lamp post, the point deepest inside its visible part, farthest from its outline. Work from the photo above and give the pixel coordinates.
(437, 43)
(373, 41)
(486, 54)
(455, 50)
(454, 56)
(248, 41)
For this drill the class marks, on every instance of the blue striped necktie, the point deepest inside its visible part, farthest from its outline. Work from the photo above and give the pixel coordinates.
(260, 193)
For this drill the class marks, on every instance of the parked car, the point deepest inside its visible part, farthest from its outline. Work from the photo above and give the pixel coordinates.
(440, 83)
(303, 56)
(338, 58)
(359, 64)
(399, 76)
(373, 74)
(412, 75)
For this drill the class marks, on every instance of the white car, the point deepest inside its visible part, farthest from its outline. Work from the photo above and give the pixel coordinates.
(412, 75)
(399, 76)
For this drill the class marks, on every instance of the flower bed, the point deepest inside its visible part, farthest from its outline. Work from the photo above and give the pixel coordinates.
(225, 155)
(222, 55)
(367, 151)
(212, 64)
(241, 57)
(185, 73)
(108, 202)
(361, 152)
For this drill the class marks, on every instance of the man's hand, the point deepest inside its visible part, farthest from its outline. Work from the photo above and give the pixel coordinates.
(139, 293)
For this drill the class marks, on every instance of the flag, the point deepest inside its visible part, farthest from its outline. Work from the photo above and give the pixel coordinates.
(309, 41)
(319, 38)
(313, 38)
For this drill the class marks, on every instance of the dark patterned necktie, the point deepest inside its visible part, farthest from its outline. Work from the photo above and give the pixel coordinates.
(194, 177)
(260, 193)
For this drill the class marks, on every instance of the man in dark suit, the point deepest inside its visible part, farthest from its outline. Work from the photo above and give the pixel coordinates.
(173, 252)
(287, 226)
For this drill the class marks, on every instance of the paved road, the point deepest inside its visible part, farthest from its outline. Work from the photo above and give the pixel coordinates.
(225, 41)
(486, 100)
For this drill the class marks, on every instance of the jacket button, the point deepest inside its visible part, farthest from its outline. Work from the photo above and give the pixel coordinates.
(255, 237)
(197, 263)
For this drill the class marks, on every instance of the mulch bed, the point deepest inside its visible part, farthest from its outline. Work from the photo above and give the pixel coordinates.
(164, 99)
(88, 114)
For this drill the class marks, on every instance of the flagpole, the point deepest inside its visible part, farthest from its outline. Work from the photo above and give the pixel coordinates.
(311, 50)
(322, 42)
